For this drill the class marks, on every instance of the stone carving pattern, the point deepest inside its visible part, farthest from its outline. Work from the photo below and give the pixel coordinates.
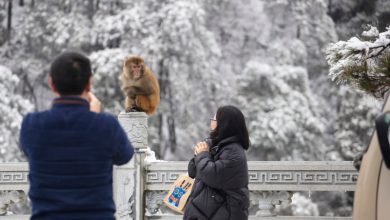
(162, 176)
(13, 177)
(155, 205)
(262, 202)
(126, 197)
(137, 133)
(272, 177)
(303, 177)
(266, 201)
(14, 202)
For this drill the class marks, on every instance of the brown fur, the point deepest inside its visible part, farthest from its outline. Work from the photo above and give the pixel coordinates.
(142, 93)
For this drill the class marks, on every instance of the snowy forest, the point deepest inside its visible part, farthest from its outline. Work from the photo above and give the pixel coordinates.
(266, 57)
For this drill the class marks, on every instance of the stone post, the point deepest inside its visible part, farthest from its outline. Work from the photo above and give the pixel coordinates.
(129, 179)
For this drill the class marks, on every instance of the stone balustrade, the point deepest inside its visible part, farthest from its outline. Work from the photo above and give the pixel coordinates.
(141, 185)
(270, 183)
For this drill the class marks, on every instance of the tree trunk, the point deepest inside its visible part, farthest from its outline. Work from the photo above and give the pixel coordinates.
(97, 5)
(166, 93)
(21, 2)
(171, 119)
(112, 8)
(91, 9)
(158, 150)
(67, 6)
(30, 89)
(32, 3)
(172, 132)
(9, 20)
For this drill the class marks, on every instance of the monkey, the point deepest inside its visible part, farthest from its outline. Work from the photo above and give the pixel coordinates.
(140, 86)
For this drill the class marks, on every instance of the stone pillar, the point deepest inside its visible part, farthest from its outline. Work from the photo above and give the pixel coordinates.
(129, 179)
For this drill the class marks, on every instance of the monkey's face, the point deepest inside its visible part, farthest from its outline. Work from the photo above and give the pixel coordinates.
(136, 70)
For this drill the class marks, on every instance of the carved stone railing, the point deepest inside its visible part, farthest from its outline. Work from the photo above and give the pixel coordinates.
(13, 189)
(270, 183)
(140, 185)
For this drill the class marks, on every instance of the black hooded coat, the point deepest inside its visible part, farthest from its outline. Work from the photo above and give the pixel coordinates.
(221, 190)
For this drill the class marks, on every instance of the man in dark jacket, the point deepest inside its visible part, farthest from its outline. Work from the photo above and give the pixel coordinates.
(71, 148)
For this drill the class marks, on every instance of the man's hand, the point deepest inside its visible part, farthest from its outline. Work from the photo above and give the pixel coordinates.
(94, 103)
(200, 147)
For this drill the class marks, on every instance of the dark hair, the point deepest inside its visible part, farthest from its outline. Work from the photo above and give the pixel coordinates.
(70, 72)
(230, 123)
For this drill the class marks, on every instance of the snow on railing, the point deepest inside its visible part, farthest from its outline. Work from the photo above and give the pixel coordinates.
(140, 185)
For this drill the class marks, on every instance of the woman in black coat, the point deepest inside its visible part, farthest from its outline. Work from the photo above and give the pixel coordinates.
(220, 170)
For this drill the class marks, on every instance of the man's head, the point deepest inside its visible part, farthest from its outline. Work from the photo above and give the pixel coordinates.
(70, 74)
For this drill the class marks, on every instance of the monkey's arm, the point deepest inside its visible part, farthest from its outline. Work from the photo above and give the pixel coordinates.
(132, 91)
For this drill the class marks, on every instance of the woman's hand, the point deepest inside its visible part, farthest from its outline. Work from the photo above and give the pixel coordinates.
(200, 147)
(94, 103)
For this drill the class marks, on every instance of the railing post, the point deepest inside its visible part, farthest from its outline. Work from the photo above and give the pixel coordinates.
(129, 179)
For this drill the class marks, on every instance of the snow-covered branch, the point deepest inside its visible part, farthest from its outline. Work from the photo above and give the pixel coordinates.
(362, 62)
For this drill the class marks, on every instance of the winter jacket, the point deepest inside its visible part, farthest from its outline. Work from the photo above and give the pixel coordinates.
(71, 152)
(221, 190)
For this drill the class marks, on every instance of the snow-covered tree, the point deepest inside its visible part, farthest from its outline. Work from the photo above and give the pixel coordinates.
(51, 28)
(127, 28)
(198, 50)
(303, 206)
(349, 16)
(3, 30)
(354, 123)
(187, 69)
(281, 113)
(106, 68)
(282, 33)
(180, 51)
(12, 109)
(363, 63)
